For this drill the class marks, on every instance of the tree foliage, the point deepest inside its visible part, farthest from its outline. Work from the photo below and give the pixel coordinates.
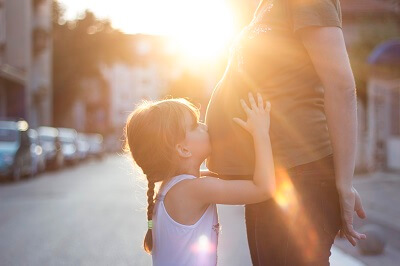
(79, 48)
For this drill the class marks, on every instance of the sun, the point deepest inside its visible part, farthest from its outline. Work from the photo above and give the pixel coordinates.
(200, 30)
(206, 30)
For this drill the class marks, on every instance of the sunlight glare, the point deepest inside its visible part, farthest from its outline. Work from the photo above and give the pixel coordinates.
(200, 30)
(300, 226)
(208, 31)
(203, 243)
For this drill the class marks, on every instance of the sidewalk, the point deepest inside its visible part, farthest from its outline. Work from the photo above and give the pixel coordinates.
(380, 194)
(233, 249)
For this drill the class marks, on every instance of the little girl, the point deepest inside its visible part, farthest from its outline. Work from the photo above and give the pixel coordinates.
(167, 141)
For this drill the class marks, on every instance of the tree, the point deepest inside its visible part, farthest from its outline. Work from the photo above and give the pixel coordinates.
(79, 48)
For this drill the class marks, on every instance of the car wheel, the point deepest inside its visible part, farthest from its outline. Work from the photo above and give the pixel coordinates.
(34, 169)
(42, 166)
(58, 162)
(17, 171)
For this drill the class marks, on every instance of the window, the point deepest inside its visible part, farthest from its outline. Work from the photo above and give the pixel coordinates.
(395, 116)
(2, 29)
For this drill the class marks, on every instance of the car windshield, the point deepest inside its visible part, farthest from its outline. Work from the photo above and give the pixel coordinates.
(8, 135)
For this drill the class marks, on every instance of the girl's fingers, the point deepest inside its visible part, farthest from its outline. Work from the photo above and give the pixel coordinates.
(252, 101)
(245, 107)
(240, 122)
(260, 101)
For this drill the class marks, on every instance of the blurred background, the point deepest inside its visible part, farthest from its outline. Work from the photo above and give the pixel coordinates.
(70, 73)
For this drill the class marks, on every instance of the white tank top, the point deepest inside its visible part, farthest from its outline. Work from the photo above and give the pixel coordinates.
(175, 244)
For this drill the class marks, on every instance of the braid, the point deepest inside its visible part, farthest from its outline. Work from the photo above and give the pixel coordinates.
(148, 240)
(150, 199)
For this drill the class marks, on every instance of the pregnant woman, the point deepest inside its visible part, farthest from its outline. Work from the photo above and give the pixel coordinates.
(294, 54)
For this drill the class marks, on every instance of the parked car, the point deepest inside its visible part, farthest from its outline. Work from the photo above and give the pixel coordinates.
(37, 152)
(83, 146)
(112, 144)
(48, 137)
(96, 145)
(69, 143)
(15, 155)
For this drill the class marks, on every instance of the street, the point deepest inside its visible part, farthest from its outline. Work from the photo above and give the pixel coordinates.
(85, 215)
(80, 78)
(94, 214)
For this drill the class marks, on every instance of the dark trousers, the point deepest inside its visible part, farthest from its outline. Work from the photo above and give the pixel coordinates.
(298, 226)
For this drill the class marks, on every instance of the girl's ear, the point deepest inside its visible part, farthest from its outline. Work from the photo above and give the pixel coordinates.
(182, 150)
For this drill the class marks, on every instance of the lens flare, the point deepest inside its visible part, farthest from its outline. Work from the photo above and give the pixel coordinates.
(299, 225)
(203, 243)
(203, 246)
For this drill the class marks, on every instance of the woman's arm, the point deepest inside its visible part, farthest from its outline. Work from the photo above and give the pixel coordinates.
(327, 50)
(213, 190)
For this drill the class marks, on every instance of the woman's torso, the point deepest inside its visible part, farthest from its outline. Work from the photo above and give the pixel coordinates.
(269, 58)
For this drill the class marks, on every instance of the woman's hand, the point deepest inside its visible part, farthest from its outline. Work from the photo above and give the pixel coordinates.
(350, 202)
(258, 118)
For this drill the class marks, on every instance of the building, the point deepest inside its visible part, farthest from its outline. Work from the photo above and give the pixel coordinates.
(367, 23)
(128, 86)
(361, 15)
(146, 78)
(384, 107)
(25, 60)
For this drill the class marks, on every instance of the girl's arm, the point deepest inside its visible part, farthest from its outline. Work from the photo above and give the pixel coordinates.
(213, 190)
(208, 173)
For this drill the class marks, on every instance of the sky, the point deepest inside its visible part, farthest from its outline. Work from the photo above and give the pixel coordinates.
(203, 28)
(157, 16)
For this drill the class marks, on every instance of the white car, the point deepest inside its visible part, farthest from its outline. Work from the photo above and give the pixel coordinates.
(48, 137)
(37, 152)
(83, 146)
(96, 145)
(69, 142)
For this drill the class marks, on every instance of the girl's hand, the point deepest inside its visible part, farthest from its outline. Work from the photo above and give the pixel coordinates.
(258, 119)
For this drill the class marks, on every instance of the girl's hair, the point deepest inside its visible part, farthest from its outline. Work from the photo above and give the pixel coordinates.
(151, 132)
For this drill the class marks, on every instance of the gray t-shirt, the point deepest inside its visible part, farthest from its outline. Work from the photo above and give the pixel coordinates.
(270, 58)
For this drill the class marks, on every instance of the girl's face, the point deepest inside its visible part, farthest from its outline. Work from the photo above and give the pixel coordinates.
(197, 140)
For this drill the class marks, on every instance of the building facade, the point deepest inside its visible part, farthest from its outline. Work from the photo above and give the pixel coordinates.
(25, 60)
(367, 23)
(145, 79)
(384, 107)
